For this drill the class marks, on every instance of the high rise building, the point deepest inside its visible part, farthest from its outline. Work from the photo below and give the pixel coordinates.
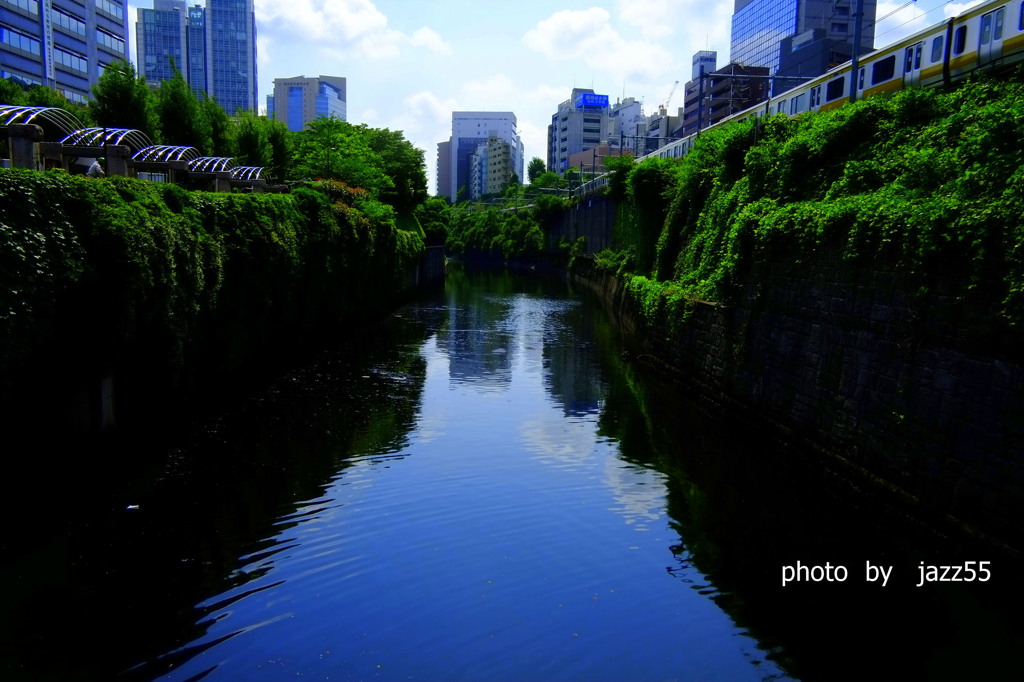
(759, 28)
(214, 48)
(299, 101)
(491, 168)
(160, 35)
(197, 48)
(470, 129)
(231, 62)
(63, 44)
(581, 123)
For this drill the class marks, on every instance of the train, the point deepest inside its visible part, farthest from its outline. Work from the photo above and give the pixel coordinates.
(986, 36)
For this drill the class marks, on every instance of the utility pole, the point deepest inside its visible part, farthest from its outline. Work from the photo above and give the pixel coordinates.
(855, 60)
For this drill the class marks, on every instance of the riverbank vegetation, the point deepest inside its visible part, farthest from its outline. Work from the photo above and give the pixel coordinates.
(166, 289)
(926, 180)
(513, 226)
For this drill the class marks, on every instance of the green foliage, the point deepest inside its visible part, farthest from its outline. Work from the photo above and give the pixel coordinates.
(434, 215)
(160, 283)
(535, 169)
(331, 148)
(182, 120)
(490, 231)
(123, 100)
(930, 182)
(220, 126)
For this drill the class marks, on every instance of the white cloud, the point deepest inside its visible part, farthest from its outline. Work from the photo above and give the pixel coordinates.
(430, 39)
(654, 18)
(341, 28)
(588, 35)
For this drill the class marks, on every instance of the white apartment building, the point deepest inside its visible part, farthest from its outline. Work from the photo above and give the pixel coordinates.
(470, 130)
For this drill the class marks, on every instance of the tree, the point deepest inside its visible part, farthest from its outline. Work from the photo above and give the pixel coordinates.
(260, 141)
(535, 169)
(434, 215)
(220, 125)
(403, 163)
(182, 120)
(280, 140)
(11, 93)
(332, 148)
(122, 100)
(249, 143)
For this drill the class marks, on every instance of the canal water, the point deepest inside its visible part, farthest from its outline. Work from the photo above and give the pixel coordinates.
(487, 486)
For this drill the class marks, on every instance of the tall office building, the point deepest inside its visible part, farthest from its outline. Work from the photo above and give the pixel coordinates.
(231, 40)
(820, 33)
(470, 130)
(160, 36)
(214, 48)
(299, 101)
(61, 43)
(580, 123)
(196, 47)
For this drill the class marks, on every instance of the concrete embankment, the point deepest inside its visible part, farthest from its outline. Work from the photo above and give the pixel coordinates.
(910, 398)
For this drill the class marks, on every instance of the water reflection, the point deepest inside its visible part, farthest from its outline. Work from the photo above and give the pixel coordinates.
(497, 536)
(483, 489)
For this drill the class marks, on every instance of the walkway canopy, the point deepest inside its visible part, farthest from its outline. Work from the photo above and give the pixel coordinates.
(54, 117)
(159, 153)
(98, 137)
(246, 172)
(211, 164)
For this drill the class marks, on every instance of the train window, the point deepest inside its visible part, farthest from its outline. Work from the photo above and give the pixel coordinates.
(986, 29)
(780, 108)
(937, 47)
(860, 80)
(997, 31)
(908, 63)
(960, 40)
(796, 105)
(917, 55)
(1020, 19)
(883, 69)
(834, 89)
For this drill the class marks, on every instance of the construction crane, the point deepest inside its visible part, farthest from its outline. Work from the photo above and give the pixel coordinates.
(669, 98)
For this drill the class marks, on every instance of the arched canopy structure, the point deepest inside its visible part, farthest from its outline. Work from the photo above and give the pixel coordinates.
(158, 153)
(98, 137)
(246, 172)
(211, 164)
(64, 122)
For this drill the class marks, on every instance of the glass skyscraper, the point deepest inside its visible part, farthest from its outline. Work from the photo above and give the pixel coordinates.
(61, 43)
(214, 47)
(231, 36)
(160, 35)
(298, 101)
(760, 26)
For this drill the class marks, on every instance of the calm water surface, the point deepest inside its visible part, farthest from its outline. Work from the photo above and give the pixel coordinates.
(485, 528)
(484, 488)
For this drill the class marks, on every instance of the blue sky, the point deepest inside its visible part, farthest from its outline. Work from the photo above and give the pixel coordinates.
(410, 63)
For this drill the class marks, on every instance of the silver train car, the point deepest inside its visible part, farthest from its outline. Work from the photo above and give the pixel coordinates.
(988, 36)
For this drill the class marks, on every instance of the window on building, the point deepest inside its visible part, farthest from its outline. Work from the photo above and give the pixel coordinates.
(68, 22)
(19, 40)
(109, 41)
(71, 60)
(112, 8)
(30, 6)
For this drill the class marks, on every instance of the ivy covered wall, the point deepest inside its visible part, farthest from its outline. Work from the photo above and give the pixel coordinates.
(121, 298)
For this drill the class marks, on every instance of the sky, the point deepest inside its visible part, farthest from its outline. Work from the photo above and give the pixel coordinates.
(410, 63)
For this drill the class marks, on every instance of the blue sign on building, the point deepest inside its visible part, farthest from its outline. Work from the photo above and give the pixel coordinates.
(591, 100)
